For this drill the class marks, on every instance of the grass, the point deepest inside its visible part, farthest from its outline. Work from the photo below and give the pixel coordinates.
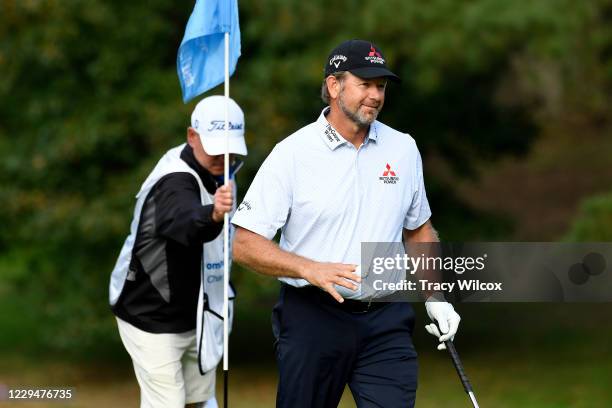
(516, 355)
(562, 377)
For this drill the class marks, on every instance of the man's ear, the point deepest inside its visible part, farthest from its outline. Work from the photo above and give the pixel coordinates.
(191, 136)
(333, 86)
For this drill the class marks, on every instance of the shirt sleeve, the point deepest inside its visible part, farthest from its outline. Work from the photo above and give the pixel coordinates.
(267, 203)
(179, 213)
(419, 211)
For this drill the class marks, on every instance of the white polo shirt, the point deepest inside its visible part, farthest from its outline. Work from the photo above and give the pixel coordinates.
(328, 196)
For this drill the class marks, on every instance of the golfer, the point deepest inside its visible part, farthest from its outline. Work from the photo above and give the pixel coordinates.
(341, 180)
(166, 289)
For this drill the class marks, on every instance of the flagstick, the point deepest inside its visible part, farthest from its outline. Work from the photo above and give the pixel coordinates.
(226, 233)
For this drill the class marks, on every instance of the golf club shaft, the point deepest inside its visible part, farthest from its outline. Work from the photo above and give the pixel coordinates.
(461, 372)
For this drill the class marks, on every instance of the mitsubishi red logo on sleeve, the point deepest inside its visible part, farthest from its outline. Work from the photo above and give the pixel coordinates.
(389, 176)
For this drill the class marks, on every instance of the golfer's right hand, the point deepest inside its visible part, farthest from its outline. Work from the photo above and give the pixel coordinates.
(223, 201)
(326, 274)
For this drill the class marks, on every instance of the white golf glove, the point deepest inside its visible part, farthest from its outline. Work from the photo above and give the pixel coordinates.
(447, 319)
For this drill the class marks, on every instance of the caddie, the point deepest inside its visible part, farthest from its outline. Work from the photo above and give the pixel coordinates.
(166, 289)
(342, 180)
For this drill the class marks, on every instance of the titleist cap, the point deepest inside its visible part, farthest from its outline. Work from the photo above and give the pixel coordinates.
(208, 119)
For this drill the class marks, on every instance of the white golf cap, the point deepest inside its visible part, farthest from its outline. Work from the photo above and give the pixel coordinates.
(208, 119)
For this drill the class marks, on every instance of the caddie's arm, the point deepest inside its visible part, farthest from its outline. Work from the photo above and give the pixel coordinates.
(179, 213)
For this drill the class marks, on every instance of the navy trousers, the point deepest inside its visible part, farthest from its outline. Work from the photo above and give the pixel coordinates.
(321, 346)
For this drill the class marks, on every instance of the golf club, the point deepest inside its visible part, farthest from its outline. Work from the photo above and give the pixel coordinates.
(461, 372)
(225, 388)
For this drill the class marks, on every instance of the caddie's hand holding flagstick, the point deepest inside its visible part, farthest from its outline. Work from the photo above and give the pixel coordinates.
(223, 202)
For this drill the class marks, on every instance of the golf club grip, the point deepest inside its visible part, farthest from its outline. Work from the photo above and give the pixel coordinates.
(225, 388)
(458, 366)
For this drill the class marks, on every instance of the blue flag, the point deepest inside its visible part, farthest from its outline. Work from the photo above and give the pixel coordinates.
(200, 61)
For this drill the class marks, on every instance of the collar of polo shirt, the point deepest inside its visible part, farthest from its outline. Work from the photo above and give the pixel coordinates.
(333, 138)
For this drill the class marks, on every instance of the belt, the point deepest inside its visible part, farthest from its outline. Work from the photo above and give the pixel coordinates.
(349, 305)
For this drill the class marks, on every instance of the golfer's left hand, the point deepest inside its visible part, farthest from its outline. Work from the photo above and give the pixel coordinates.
(446, 318)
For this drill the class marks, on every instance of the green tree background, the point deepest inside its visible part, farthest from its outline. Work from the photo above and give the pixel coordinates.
(509, 103)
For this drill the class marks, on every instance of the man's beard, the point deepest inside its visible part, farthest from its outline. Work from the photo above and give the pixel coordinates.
(355, 116)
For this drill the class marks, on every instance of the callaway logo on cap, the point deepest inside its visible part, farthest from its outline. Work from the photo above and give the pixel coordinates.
(361, 58)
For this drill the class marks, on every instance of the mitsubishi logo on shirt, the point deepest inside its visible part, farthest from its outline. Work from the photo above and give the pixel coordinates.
(388, 171)
(389, 176)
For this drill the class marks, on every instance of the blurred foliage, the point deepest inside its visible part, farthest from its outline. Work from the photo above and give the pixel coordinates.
(594, 221)
(89, 99)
